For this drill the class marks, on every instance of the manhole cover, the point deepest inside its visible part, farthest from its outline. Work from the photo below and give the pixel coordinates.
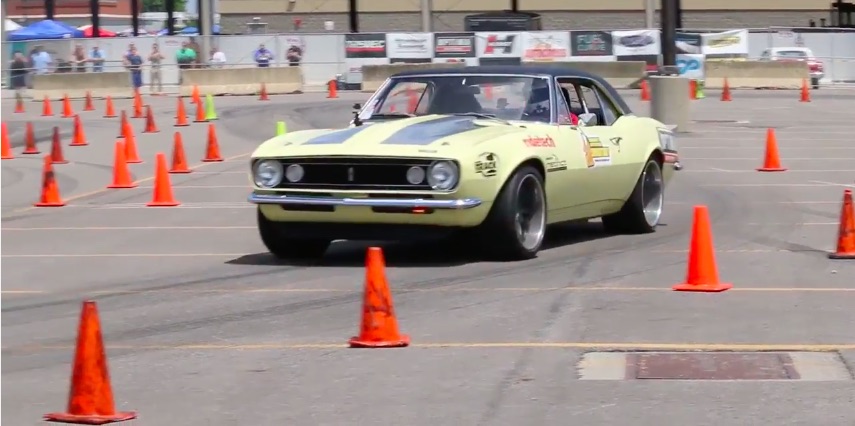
(711, 366)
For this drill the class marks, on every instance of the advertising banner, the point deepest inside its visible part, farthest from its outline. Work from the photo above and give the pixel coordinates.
(636, 42)
(591, 43)
(367, 45)
(727, 43)
(409, 46)
(545, 46)
(689, 43)
(691, 66)
(498, 45)
(454, 45)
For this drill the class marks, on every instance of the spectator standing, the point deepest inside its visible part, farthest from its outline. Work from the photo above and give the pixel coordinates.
(133, 62)
(96, 56)
(294, 55)
(155, 78)
(197, 60)
(79, 59)
(19, 71)
(41, 60)
(218, 58)
(263, 56)
(185, 58)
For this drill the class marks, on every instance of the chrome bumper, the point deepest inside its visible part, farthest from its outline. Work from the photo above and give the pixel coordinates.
(466, 203)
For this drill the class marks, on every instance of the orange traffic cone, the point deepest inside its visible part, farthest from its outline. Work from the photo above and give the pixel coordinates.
(123, 124)
(725, 92)
(110, 112)
(79, 136)
(138, 105)
(121, 171)
(67, 111)
(200, 113)
(805, 95)
(181, 114)
(88, 106)
(846, 234)
(30, 146)
(379, 327)
(56, 148)
(332, 89)
(645, 91)
(195, 98)
(263, 95)
(47, 110)
(772, 162)
(693, 90)
(179, 160)
(19, 104)
(131, 154)
(7, 146)
(162, 186)
(703, 272)
(50, 190)
(212, 151)
(150, 126)
(90, 400)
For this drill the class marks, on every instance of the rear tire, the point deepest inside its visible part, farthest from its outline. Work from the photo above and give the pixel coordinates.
(274, 235)
(516, 226)
(642, 211)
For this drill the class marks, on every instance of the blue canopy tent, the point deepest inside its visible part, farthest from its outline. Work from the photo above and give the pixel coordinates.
(195, 31)
(45, 30)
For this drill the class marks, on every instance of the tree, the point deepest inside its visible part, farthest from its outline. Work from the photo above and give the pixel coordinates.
(160, 5)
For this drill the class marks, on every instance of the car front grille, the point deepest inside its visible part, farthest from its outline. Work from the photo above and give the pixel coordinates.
(356, 173)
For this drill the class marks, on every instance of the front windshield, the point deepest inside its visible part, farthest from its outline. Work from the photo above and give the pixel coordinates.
(505, 97)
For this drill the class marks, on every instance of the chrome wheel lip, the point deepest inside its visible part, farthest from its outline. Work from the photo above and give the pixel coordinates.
(530, 232)
(652, 193)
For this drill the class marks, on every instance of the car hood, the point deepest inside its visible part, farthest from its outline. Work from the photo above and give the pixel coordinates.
(432, 134)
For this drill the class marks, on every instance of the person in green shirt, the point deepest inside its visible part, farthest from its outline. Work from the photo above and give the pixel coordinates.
(185, 58)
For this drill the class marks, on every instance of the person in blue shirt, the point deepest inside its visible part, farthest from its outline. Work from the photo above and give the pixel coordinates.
(133, 62)
(263, 56)
(96, 56)
(41, 60)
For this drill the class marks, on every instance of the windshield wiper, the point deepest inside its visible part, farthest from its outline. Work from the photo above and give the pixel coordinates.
(391, 115)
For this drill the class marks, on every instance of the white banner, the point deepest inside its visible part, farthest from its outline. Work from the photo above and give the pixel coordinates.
(637, 42)
(691, 66)
(498, 44)
(545, 46)
(725, 43)
(409, 45)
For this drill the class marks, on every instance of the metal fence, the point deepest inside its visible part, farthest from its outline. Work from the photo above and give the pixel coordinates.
(323, 56)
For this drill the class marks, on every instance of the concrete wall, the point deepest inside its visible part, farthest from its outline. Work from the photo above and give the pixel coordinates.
(755, 74)
(242, 81)
(75, 85)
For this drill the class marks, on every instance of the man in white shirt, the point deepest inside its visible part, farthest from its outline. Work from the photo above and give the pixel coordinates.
(218, 58)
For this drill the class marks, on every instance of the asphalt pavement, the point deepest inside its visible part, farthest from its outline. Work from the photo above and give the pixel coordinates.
(204, 328)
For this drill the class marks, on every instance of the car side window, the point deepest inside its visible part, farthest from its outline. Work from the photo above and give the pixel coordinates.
(569, 88)
(610, 112)
(563, 110)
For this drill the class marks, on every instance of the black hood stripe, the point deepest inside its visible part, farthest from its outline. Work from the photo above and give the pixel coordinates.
(428, 132)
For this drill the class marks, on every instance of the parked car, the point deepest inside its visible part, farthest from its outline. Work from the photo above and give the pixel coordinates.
(490, 154)
(783, 54)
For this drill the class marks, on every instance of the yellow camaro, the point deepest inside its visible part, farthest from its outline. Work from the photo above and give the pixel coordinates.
(490, 154)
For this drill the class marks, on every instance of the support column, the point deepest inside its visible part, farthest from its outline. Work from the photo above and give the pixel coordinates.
(669, 101)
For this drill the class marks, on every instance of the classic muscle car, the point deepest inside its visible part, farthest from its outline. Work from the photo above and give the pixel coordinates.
(490, 155)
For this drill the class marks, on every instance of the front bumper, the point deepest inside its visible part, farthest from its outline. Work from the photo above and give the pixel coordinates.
(403, 203)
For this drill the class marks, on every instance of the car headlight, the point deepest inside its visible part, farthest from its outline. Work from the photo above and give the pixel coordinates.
(415, 175)
(268, 173)
(667, 140)
(294, 173)
(442, 175)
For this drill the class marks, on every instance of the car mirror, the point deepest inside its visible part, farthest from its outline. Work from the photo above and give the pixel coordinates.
(588, 119)
(357, 107)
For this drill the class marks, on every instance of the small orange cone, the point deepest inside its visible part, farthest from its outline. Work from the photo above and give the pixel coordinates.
(50, 190)
(332, 89)
(150, 126)
(123, 124)
(90, 400)
(56, 149)
(110, 112)
(263, 95)
(131, 154)
(181, 114)
(846, 234)
(212, 151)
(703, 273)
(30, 146)
(200, 113)
(47, 110)
(67, 111)
(79, 136)
(88, 106)
(162, 186)
(645, 91)
(179, 160)
(121, 171)
(7, 146)
(805, 94)
(725, 92)
(693, 90)
(138, 105)
(772, 162)
(19, 104)
(195, 98)
(379, 326)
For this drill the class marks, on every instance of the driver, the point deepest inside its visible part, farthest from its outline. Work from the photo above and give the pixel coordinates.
(537, 107)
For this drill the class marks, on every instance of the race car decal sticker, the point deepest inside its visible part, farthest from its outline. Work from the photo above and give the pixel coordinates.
(554, 164)
(430, 131)
(335, 137)
(539, 142)
(595, 153)
(487, 164)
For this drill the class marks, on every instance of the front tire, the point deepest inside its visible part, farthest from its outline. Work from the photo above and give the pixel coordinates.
(274, 235)
(643, 210)
(516, 226)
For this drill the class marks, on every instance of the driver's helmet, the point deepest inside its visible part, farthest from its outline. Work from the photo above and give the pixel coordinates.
(537, 106)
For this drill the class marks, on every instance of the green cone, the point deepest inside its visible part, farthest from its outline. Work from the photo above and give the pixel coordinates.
(281, 128)
(699, 89)
(210, 111)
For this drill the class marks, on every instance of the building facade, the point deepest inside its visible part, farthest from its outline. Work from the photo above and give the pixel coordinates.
(448, 15)
(72, 12)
